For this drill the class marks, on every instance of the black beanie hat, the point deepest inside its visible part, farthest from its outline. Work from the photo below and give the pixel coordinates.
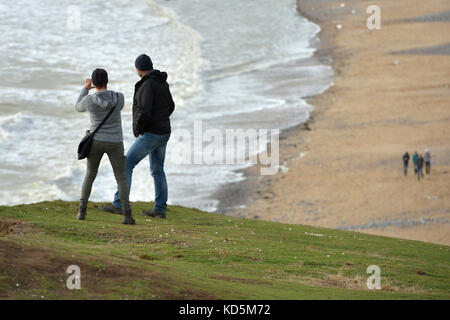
(144, 63)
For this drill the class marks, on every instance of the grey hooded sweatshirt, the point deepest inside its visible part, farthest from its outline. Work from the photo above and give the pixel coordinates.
(98, 105)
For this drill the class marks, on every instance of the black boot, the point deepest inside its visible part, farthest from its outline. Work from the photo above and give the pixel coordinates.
(128, 217)
(111, 209)
(81, 213)
(153, 214)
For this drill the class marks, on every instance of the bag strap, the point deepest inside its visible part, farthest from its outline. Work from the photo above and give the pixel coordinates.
(104, 120)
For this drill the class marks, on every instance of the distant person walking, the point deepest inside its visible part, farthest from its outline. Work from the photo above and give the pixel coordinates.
(414, 160)
(152, 107)
(427, 158)
(108, 139)
(405, 162)
(420, 162)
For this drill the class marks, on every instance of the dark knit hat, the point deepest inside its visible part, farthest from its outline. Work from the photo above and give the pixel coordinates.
(144, 63)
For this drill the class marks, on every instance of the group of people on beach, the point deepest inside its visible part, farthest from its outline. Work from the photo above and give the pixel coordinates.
(419, 160)
(152, 107)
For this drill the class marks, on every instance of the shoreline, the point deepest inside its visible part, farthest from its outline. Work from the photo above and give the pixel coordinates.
(237, 195)
(343, 164)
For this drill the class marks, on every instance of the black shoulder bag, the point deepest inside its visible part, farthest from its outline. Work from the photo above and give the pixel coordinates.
(85, 145)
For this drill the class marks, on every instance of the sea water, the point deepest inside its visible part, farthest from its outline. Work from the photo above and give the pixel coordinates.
(231, 64)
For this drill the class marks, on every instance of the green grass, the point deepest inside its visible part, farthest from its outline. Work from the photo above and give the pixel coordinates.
(198, 255)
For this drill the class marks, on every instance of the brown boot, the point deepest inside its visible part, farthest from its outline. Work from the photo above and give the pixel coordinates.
(128, 217)
(82, 211)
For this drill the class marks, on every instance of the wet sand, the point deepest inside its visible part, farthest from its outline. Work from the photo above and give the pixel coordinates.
(391, 95)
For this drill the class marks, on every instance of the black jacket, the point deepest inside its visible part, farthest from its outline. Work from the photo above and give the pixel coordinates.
(152, 104)
(406, 158)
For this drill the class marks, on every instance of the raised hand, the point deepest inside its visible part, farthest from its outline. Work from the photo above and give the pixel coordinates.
(88, 84)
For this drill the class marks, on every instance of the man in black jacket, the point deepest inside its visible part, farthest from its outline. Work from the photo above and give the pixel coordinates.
(152, 107)
(405, 162)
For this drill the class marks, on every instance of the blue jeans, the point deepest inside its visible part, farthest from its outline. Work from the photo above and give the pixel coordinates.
(153, 145)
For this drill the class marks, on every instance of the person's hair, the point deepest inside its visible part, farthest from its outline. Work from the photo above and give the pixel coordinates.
(100, 78)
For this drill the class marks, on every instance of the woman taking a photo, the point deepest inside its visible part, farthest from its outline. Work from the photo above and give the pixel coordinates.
(108, 138)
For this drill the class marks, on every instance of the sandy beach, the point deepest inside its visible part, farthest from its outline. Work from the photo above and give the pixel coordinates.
(391, 94)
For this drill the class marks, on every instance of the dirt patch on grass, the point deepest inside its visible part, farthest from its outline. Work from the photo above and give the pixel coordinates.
(11, 226)
(354, 283)
(338, 281)
(33, 273)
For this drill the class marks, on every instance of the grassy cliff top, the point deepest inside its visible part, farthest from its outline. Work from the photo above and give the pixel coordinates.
(198, 255)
